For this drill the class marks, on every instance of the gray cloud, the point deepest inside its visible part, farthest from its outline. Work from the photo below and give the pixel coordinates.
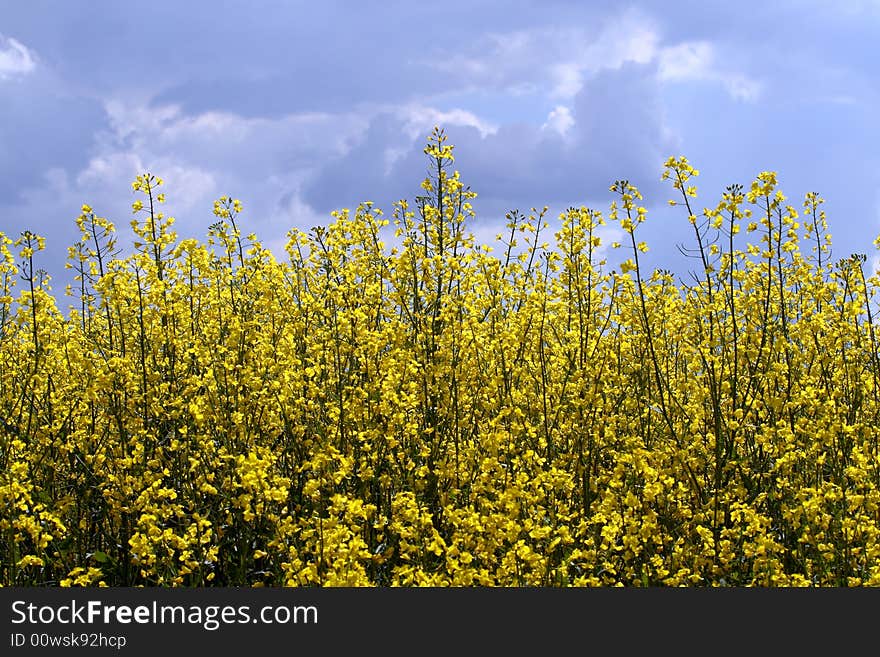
(618, 131)
(301, 108)
(42, 127)
(15, 58)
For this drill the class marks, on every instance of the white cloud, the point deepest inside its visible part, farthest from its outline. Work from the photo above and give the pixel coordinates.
(109, 166)
(262, 161)
(629, 38)
(559, 120)
(741, 87)
(686, 61)
(525, 60)
(580, 53)
(134, 118)
(15, 58)
(695, 61)
(187, 186)
(420, 119)
(567, 80)
(193, 186)
(556, 60)
(391, 155)
(165, 127)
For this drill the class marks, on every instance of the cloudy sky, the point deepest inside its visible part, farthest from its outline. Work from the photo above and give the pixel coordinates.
(300, 108)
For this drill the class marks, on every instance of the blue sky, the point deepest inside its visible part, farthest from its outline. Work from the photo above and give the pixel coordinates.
(300, 108)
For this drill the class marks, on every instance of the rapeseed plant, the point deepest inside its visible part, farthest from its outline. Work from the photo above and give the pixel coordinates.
(440, 412)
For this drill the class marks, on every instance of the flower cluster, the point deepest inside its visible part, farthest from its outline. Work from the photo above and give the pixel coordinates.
(438, 412)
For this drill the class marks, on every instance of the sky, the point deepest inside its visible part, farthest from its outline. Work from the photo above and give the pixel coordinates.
(302, 108)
